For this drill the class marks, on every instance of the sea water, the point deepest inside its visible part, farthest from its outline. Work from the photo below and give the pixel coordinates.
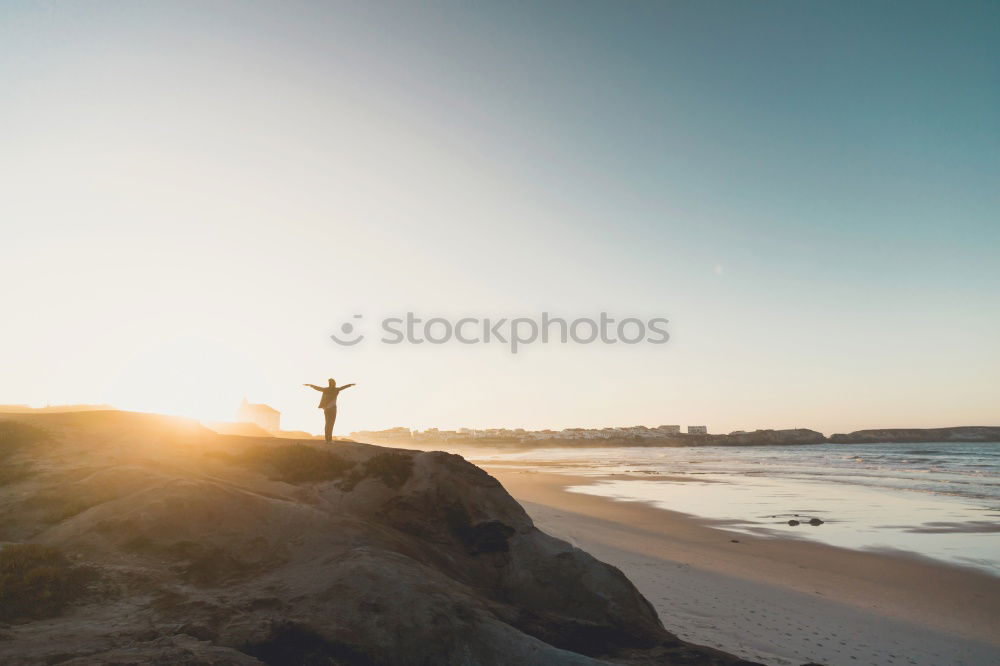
(938, 500)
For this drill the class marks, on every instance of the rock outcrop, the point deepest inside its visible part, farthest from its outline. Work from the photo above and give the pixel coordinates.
(208, 549)
(768, 437)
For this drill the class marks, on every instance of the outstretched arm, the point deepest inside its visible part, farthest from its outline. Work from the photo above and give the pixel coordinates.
(346, 386)
(313, 386)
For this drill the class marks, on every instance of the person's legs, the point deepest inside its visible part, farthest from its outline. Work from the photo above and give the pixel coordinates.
(331, 417)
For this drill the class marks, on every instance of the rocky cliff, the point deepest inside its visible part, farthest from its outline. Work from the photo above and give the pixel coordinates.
(135, 539)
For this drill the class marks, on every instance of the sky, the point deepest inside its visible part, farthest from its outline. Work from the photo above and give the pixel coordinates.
(194, 196)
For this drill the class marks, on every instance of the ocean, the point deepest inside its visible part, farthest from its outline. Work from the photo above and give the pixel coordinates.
(937, 500)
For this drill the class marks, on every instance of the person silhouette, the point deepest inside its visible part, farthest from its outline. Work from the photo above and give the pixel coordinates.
(328, 403)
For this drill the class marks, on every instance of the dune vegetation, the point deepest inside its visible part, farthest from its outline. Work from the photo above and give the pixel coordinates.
(37, 581)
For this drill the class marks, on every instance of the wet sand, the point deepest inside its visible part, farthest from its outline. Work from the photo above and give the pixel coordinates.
(778, 601)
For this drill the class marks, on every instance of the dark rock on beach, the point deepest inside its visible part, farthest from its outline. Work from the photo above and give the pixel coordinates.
(182, 546)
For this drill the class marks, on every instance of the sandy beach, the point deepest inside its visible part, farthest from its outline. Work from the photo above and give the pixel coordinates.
(778, 601)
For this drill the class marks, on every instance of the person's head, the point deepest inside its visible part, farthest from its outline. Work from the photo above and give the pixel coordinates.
(333, 382)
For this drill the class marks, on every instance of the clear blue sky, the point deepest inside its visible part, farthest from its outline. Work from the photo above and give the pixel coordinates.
(197, 194)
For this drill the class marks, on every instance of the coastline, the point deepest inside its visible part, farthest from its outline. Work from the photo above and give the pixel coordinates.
(781, 601)
(506, 440)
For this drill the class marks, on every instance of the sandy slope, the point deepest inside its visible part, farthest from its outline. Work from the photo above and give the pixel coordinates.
(777, 601)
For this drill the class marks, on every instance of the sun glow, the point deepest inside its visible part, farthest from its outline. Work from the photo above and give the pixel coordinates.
(194, 377)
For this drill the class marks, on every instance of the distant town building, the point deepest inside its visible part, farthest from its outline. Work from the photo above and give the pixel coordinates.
(514, 435)
(264, 416)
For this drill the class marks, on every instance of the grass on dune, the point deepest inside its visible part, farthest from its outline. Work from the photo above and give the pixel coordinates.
(392, 469)
(295, 463)
(16, 436)
(37, 581)
(298, 463)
